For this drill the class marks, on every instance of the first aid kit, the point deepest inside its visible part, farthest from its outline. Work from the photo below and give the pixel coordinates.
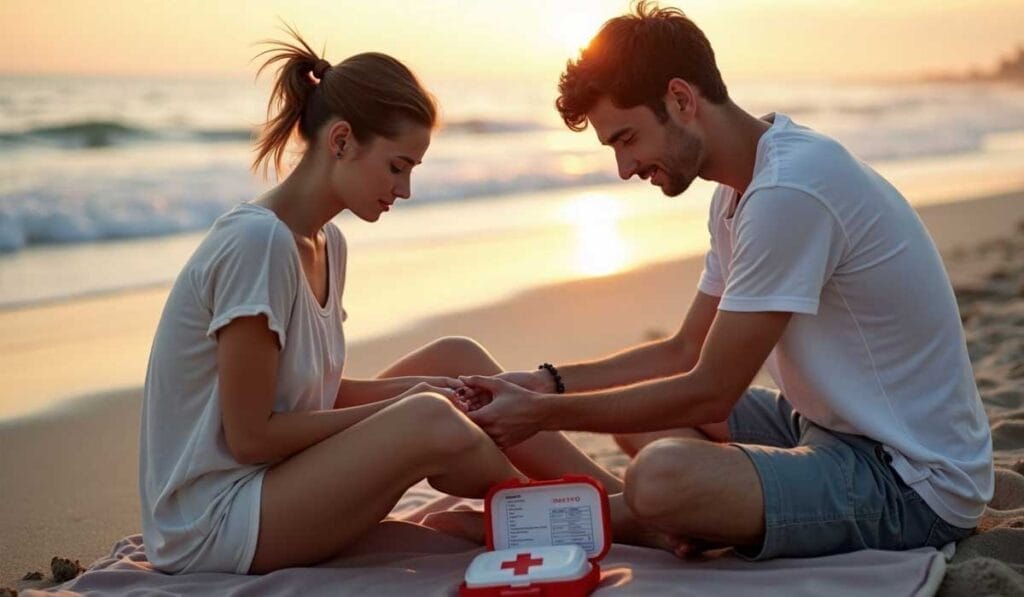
(544, 538)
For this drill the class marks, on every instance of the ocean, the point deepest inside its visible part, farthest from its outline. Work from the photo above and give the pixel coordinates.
(107, 184)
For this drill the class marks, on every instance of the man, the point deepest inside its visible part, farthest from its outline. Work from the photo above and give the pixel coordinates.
(817, 269)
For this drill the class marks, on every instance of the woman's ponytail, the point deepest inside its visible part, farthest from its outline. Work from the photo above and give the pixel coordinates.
(296, 82)
(376, 94)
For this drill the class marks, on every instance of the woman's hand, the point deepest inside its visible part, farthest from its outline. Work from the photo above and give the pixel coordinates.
(459, 394)
(426, 386)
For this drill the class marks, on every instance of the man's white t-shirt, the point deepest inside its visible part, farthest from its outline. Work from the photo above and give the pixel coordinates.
(875, 346)
(200, 507)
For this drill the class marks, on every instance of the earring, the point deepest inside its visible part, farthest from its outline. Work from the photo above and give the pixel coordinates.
(339, 154)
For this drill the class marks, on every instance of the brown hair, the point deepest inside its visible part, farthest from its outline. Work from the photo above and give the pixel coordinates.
(376, 94)
(632, 59)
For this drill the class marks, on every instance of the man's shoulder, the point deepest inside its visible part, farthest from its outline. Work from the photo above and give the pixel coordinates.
(804, 149)
(801, 158)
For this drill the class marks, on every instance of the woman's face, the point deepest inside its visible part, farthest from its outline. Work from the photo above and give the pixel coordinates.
(370, 177)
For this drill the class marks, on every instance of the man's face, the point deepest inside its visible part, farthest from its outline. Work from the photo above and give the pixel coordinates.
(663, 152)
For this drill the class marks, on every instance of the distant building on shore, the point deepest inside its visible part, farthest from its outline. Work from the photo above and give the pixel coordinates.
(1010, 69)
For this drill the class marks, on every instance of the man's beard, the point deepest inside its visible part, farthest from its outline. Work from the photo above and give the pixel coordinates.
(683, 163)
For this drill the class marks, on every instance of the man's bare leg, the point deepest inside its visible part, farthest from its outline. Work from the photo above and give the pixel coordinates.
(632, 443)
(697, 490)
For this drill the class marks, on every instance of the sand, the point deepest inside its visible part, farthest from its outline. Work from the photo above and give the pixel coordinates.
(989, 281)
(68, 477)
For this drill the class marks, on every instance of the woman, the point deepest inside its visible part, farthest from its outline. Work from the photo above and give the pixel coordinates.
(256, 454)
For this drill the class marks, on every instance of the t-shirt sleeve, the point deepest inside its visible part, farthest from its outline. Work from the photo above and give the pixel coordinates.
(787, 244)
(255, 272)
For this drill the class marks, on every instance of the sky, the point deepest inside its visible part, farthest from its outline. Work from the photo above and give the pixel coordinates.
(503, 39)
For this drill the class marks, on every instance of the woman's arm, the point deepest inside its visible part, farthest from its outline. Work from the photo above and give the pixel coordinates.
(353, 392)
(247, 361)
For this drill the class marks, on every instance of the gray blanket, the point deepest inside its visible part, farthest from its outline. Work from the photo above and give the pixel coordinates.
(428, 564)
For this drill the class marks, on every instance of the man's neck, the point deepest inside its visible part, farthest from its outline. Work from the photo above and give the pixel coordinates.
(731, 147)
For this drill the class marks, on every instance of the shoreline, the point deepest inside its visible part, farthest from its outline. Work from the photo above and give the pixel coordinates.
(926, 180)
(364, 355)
(98, 353)
(932, 200)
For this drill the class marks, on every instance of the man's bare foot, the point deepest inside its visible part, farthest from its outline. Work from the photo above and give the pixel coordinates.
(688, 549)
(627, 529)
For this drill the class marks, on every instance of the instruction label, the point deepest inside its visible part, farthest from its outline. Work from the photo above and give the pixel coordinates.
(557, 520)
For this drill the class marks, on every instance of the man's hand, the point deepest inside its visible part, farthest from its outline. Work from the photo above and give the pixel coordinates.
(538, 380)
(463, 397)
(513, 414)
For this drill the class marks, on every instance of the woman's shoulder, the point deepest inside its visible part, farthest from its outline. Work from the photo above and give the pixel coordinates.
(247, 221)
(246, 236)
(247, 229)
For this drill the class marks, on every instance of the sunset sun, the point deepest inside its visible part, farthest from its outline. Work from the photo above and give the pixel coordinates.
(574, 25)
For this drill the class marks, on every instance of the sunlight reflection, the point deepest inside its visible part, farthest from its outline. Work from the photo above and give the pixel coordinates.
(600, 246)
(574, 23)
(575, 165)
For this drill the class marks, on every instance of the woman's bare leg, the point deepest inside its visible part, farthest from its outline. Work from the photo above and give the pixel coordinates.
(323, 499)
(547, 455)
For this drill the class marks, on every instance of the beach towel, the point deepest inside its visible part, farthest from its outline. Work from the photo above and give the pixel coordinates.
(433, 564)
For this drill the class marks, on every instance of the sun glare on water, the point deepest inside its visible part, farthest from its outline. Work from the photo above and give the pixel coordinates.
(600, 248)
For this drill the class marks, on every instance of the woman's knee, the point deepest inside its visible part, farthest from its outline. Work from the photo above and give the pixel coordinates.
(443, 429)
(461, 352)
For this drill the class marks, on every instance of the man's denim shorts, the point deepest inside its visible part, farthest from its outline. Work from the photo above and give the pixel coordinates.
(827, 492)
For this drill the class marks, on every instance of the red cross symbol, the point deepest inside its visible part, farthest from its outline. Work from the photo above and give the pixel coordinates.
(521, 565)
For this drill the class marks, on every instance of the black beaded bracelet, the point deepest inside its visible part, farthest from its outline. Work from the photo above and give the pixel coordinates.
(559, 386)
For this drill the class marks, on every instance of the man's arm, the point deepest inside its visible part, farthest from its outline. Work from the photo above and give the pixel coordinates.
(736, 347)
(661, 358)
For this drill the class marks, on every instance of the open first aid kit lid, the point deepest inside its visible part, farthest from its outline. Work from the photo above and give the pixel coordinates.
(572, 510)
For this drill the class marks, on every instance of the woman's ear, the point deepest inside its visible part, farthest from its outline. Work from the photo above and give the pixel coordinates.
(339, 138)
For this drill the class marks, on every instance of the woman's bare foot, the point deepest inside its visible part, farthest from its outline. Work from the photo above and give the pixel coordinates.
(465, 524)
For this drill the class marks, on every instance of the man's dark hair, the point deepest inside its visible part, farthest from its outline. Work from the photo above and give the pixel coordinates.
(632, 59)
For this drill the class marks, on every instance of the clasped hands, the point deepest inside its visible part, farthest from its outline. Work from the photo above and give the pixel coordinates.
(509, 407)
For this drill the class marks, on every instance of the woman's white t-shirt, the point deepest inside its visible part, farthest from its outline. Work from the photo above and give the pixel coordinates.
(200, 507)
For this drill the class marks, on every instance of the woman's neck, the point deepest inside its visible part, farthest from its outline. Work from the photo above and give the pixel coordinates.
(301, 201)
